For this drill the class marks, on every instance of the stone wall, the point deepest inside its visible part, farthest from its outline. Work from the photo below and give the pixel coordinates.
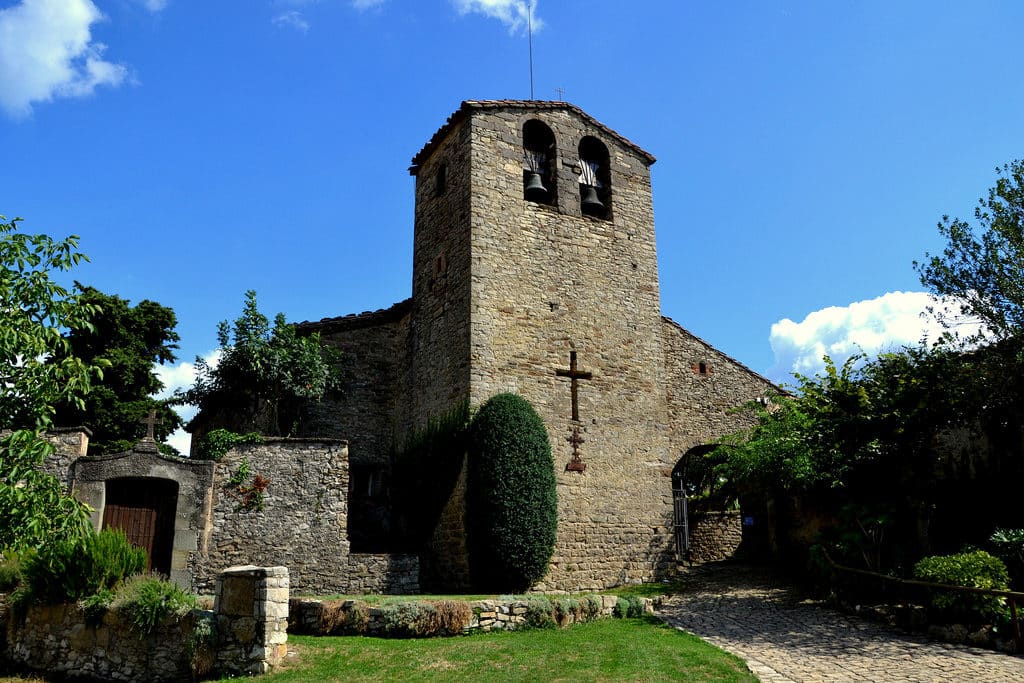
(58, 639)
(390, 574)
(322, 618)
(69, 444)
(302, 521)
(702, 387)
(373, 349)
(715, 536)
(244, 634)
(252, 619)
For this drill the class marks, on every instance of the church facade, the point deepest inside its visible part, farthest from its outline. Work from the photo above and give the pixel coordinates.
(535, 272)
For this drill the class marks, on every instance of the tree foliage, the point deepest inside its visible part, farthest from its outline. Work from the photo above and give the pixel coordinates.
(512, 501)
(894, 449)
(983, 264)
(37, 373)
(132, 339)
(266, 375)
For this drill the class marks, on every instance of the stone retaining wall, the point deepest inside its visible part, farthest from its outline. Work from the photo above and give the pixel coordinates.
(715, 536)
(248, 627)
(309, 616)
(60, 640)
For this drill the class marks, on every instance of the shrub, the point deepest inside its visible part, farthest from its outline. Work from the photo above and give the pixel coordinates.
(202, 652)
(147, 601)
(1008, 546)
(630, 606)
(410, 619)
(976, 569)
(539, 613)
(217, 442)
(68, 570)
(452, 617)
(95, 606)
(511, 499)
(591, 606)
(10, 571)
(345, 618)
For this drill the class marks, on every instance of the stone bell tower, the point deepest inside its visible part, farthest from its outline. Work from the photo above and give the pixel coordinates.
(535, 271)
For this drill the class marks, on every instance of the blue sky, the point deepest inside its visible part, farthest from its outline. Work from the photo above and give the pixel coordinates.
(805, 150)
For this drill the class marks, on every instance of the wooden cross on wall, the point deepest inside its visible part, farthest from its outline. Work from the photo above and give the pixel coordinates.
(575, 375)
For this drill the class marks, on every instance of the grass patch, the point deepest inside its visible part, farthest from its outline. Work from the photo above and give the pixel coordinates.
(604, 650)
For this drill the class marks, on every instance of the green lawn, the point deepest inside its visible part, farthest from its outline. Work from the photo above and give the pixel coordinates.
(603, 650)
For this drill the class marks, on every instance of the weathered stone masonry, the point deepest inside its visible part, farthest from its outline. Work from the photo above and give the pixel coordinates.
(505, 292)
(546, 297)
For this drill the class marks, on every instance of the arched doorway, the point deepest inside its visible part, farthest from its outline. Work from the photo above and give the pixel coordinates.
(144, 508)
(693, 474)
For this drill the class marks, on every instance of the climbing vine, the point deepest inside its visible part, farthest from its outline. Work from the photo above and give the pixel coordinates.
(248, 494)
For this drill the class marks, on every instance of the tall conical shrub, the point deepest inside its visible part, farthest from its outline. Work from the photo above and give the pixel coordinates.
(511, 499)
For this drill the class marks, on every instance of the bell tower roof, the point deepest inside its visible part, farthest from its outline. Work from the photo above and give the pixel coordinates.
(470, 106)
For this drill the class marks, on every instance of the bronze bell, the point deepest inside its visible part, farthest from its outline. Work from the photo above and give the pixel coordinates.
(589, 201)
(535, 190)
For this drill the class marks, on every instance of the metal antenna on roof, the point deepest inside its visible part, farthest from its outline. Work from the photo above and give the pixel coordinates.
(529, 24)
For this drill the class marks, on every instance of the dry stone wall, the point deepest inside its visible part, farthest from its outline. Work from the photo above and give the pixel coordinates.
(302, 523)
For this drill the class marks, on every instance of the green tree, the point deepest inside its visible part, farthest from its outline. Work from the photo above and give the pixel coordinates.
(983, 264)
(266, 375)
(511, 496)
(131, 339)
(34, 311)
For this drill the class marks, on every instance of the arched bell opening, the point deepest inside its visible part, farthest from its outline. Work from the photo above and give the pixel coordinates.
(539, 184)
(595, 178)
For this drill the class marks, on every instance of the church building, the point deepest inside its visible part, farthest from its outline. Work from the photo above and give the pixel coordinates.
(535, 272)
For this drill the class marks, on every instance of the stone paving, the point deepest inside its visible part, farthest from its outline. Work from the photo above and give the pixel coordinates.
(785, 637)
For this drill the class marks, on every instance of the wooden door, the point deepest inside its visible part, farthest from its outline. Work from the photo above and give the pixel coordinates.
(144, 509)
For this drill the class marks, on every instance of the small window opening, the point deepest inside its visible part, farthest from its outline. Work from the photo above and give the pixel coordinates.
(440, 264)
(594, 178)
(441, 180)
(701, 368)
(539, 184)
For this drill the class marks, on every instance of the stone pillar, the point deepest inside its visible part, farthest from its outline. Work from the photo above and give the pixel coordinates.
(252, 618)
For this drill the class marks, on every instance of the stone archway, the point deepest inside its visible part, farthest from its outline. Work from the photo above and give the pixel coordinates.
(690, 476)
(144, 508)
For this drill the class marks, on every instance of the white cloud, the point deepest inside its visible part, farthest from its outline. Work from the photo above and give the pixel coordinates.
(886, 323)
(292, 19)
(181, 376)
(512, 13)
(47, 51)
(366, 4)
(153, 5)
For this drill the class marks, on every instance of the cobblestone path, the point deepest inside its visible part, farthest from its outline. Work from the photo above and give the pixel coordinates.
(785, 637)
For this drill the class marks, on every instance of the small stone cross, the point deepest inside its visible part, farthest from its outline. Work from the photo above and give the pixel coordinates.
(574, 374)
(150, 423)
(576, 464)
